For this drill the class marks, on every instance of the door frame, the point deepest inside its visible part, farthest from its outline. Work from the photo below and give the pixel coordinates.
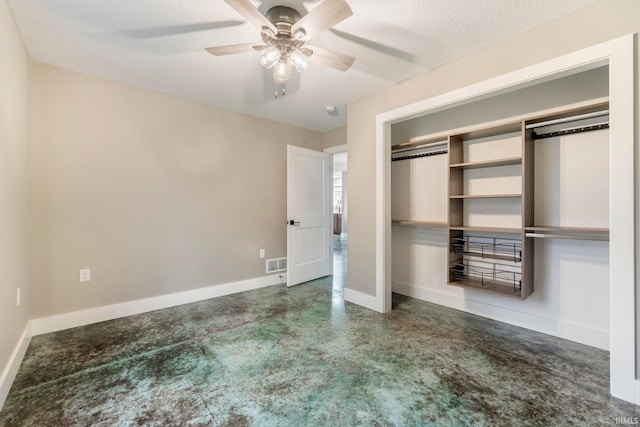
(618, 54)
(337, 150)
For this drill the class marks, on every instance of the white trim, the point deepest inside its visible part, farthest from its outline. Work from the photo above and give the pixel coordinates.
(337, 149)
(619, 55)
(571, 331)
(10, 371)
(637, 385)
(622, 227)
(44, 325)
(365, 300)
(383, 216)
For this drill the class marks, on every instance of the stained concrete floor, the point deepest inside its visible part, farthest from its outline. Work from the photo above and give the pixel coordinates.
(303, 357)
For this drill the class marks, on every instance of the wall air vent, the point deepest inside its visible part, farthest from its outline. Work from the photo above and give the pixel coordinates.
(276, 264)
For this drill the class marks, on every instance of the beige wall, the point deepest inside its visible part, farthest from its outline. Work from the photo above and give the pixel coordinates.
(14, 64)
(155, 194)
(600, 22)
(334, 137)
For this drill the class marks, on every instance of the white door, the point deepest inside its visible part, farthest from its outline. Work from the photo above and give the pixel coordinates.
(309, 215)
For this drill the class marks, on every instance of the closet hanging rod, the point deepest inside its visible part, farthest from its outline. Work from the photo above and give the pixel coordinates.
(416, 156)
(571, 131)
(568, 119)
(565, 236)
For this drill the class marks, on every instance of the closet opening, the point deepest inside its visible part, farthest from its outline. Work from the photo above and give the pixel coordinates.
(528, 218)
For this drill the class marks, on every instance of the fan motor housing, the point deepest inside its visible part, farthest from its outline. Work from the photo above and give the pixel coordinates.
(283, 17)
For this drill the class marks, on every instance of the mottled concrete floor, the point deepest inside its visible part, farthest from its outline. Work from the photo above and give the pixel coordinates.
(302, 357)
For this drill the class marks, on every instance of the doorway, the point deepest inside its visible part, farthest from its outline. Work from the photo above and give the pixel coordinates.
(340, 218)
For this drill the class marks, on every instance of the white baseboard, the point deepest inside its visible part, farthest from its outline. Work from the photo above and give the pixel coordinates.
(365, 300)
(44, 325)
(637, 393)
(558, 328)
(10, 371)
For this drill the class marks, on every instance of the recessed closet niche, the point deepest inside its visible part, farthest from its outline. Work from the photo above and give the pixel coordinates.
(505, 201)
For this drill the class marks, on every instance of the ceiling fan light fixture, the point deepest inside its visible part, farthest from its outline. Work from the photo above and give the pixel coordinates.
(284, 33)
(267, 32)
(282, 72)
(299, 34)
(270, 56)
(299, 60)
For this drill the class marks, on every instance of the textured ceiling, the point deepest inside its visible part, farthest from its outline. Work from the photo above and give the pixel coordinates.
(159, 45)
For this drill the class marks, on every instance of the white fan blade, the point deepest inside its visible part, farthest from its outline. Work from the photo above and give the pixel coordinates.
(170, 30)
(232, 49)
(332, 59)
(323, 17)
(251, 14)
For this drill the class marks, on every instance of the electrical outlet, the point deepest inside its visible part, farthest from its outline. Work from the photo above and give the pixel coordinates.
(263, 253)
(18, 297)
(85, 275)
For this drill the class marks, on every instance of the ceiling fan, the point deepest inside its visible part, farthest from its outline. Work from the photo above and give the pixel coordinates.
(285, 34)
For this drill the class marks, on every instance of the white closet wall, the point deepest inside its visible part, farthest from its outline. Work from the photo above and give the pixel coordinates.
(419, 192)
(419, 188)
(572, 180)
(572, 190)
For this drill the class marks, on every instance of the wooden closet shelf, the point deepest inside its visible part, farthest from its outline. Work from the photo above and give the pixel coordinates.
(493, 287)
(487, 229)
(494, 129)
(426, 142)
(421, 224)
(486, 196)
(488, 163)
(601, 104)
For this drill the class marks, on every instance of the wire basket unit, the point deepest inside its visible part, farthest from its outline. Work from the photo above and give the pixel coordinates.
(491, 276)
(487, 248)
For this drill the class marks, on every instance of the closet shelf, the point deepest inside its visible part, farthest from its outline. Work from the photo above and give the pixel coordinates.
(487, 229)
(600, 104)
(433, 225)
(488, 163)
(424, 142)
(499, 288)
(486, 196)
(493, 129)
(487, 277)
(574, 233)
